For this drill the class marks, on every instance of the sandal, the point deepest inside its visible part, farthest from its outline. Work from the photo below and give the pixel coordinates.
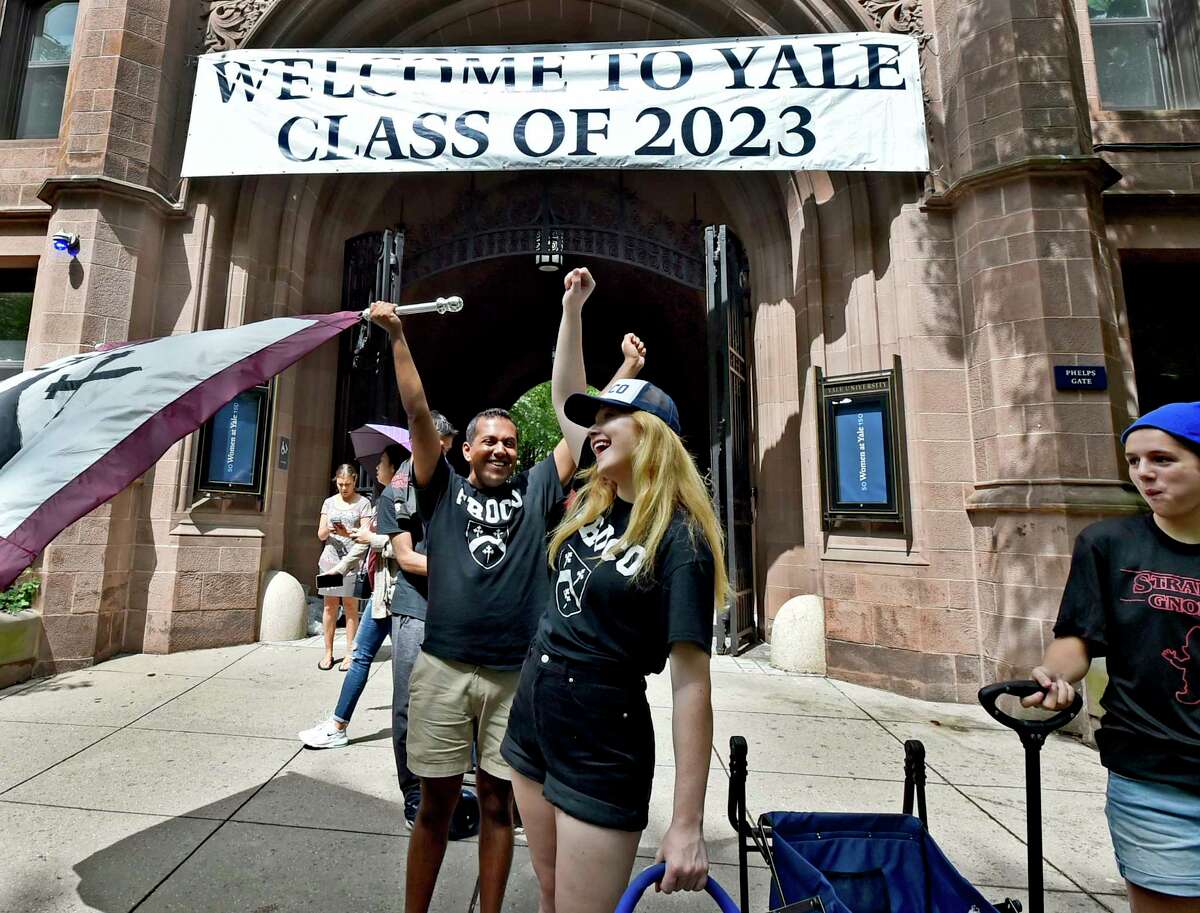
(344, 666)
(325, 668)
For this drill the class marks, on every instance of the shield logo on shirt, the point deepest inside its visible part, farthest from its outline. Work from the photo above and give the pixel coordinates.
(488, 544)
(572, 580)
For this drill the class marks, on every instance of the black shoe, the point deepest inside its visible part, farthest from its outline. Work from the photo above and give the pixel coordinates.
(411, 803)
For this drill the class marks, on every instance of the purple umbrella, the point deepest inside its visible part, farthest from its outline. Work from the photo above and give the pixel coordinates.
(372, 440)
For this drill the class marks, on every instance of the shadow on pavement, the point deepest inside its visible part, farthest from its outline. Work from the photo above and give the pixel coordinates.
(243, 866)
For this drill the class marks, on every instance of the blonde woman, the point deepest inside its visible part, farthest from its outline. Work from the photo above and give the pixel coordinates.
(637, 567)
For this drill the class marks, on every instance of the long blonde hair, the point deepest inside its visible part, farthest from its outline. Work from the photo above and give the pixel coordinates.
(664, 479)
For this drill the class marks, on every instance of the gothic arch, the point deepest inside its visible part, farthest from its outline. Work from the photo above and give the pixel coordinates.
(342, 23)
(818, 242)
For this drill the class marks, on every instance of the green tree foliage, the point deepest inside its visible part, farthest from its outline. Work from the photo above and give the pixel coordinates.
(20, 595)
(537, 425)
(15, 308)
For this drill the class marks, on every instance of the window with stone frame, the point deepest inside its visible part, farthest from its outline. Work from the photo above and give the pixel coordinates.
(1146, 53)
(36, 40)
(16, 304)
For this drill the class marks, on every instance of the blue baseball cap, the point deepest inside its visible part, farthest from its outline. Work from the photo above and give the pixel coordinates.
(628, 395)
(1181, 420)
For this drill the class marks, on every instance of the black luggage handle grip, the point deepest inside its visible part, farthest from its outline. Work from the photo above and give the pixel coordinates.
(989, 694)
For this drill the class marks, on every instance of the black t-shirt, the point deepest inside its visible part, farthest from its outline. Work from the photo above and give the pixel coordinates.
(396, 512)
(600, 615)
(487, 564)
(1134, 596)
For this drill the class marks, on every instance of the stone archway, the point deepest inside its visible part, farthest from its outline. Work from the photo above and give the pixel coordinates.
(264, 23)
(820, 245)
(592, 216)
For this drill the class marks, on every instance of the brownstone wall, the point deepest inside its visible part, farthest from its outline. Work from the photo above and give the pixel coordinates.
(1008, 267)
(1036, 290)
(117, 118)
(908, 620)
(1005, 271)
(1010, 81)
(24, 164)
(108, 169)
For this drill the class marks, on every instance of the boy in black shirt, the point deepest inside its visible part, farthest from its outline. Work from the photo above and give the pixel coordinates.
(1133, 595)
(487, 587)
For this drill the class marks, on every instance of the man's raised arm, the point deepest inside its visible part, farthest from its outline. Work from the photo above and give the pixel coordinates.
(426, 446)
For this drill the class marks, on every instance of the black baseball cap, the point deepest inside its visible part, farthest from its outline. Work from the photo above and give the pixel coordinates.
(628, 395)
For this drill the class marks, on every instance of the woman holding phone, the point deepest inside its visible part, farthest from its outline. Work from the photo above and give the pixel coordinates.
(341, 516)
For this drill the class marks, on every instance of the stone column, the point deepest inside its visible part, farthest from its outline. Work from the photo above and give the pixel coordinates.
(108, 187)
(1036, 290)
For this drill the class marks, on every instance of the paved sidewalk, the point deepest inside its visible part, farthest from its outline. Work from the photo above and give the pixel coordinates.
(175, 783)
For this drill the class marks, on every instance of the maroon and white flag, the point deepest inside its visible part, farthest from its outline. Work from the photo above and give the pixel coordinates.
(75, 432)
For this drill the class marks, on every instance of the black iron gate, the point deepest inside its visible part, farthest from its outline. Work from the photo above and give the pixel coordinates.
(366, 393)
(366, 379)
(731, 429)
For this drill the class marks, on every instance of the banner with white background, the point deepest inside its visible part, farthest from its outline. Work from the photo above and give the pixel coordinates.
(848, 102)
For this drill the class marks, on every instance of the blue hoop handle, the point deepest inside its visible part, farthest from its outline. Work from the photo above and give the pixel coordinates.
(638, 886)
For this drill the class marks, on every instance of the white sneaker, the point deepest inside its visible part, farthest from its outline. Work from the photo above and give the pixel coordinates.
(325, 735)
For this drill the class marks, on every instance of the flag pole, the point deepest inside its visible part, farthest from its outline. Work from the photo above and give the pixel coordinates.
(451, 305)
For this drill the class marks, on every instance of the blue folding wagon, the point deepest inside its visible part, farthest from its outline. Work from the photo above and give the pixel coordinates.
(881, 863)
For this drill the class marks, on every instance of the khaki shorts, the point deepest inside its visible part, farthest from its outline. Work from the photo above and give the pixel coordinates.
(447, 702)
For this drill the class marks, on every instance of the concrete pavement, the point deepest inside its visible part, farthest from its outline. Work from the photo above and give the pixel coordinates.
(175, 783)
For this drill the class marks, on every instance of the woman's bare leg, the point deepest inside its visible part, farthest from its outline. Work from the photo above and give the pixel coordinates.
(538, 817)
(1143, 900)
(351, 607)
(329, 626)
(591, 866)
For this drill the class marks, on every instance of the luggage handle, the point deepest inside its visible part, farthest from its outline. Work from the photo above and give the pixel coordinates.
(989, 694)
(638, 887)
(1033, 736)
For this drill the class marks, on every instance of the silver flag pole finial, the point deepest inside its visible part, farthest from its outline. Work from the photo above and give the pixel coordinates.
(451, 305)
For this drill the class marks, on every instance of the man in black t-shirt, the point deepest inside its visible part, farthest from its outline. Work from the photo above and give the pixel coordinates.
(488, 584)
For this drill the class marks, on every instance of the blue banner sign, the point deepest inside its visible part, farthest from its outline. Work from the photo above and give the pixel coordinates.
(862, 468)
(234, 453)
(1080, 377)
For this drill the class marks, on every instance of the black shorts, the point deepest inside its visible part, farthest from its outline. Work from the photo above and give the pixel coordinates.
(587, 737)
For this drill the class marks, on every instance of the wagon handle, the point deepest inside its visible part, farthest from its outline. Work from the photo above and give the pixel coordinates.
(736, 810)
(737, 813)
(989, 694)
(638, 886)
(1033, 736)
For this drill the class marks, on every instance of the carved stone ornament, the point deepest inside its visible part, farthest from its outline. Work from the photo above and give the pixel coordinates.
(900, 17)
(227, 22)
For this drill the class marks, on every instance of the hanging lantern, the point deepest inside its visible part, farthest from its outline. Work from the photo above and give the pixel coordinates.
(548, 250)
